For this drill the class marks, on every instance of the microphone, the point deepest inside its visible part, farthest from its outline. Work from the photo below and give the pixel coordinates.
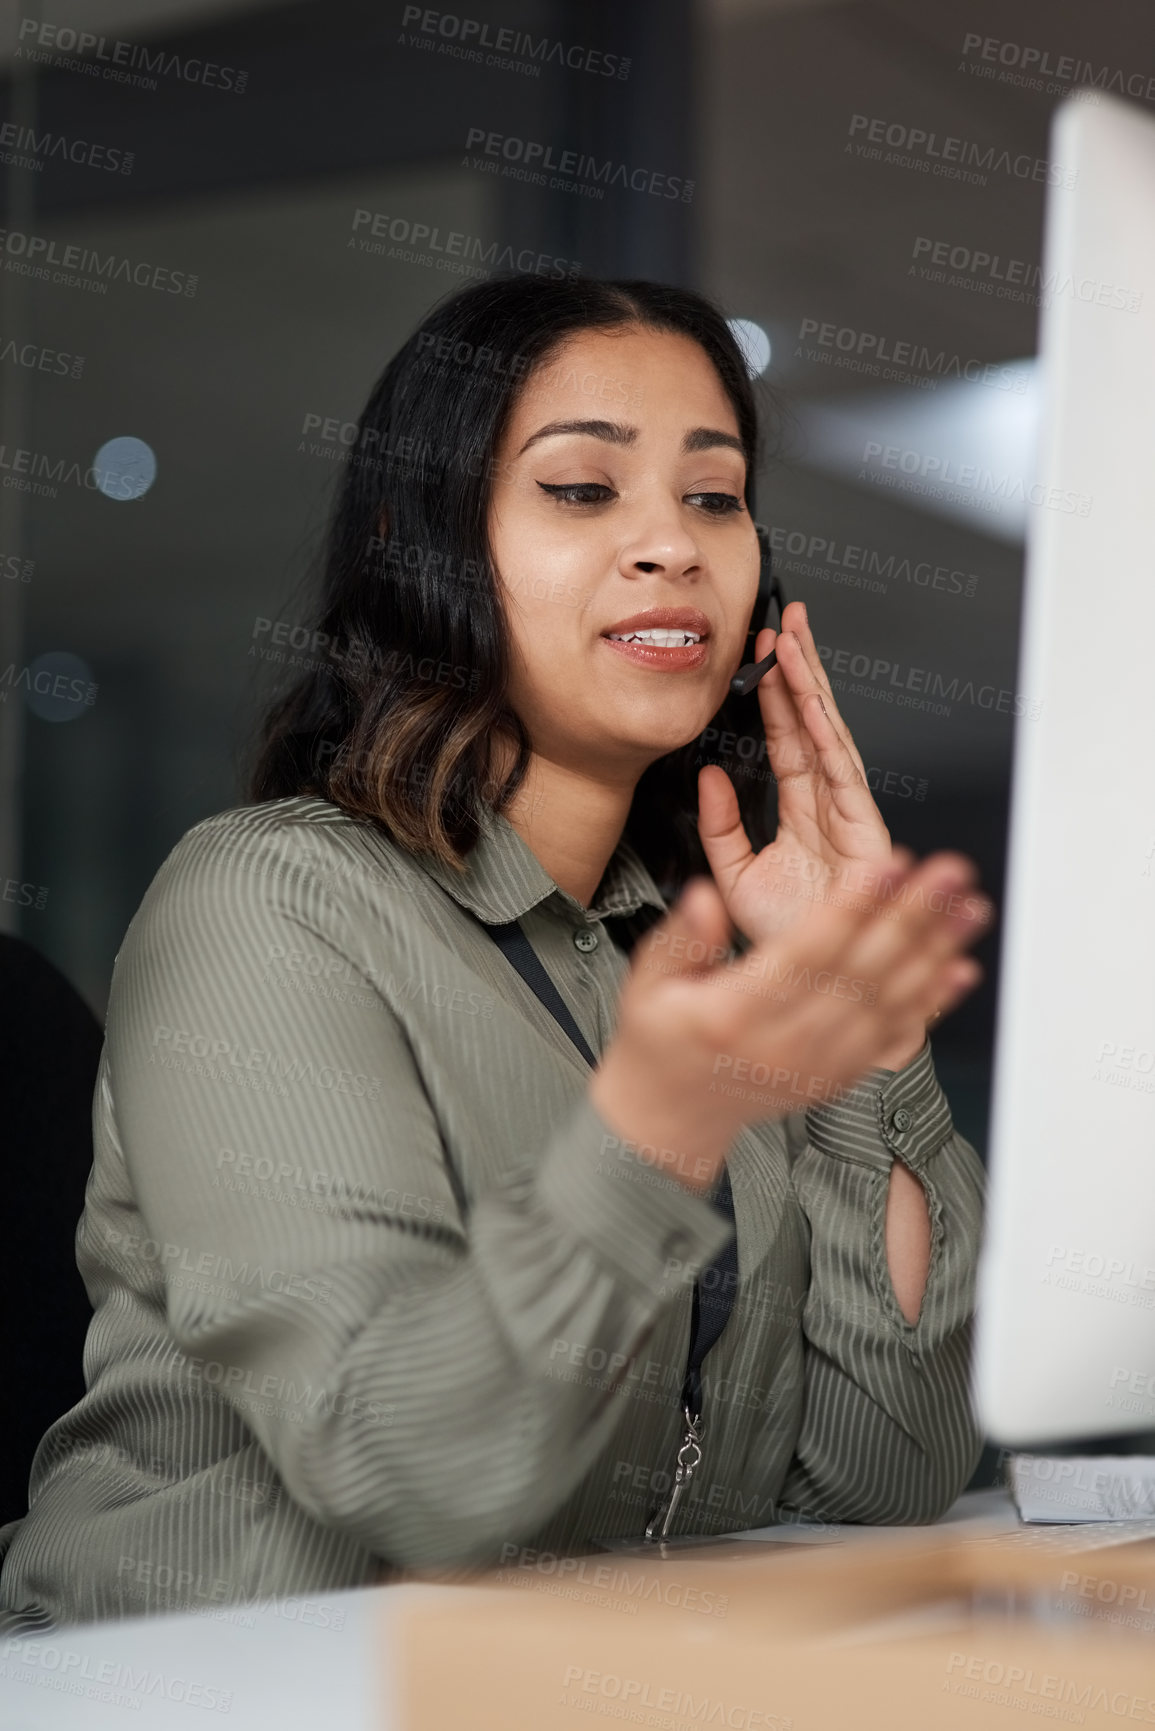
(746, 678)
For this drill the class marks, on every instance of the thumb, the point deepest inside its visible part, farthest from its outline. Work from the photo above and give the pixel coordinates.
(694, 935)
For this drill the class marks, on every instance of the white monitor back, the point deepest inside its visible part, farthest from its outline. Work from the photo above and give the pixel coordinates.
(1066, 1305)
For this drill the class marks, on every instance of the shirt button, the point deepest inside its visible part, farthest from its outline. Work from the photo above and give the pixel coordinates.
(901, 1120)
(585, 940)
(676, 1246)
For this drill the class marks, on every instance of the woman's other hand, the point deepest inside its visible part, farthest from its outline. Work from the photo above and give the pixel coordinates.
(706, 1044)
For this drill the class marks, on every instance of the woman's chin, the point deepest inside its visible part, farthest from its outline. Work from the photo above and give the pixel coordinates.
(650, 743)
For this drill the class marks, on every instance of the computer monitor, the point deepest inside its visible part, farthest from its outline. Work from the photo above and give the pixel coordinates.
(1065, 1349)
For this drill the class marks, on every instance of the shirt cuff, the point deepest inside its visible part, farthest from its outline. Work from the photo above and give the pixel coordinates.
(887, 1112)
(646, 1226)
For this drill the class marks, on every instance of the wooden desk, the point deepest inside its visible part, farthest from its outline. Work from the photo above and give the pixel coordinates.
(921, 1629)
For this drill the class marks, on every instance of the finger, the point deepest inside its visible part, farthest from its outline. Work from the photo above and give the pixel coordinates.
(926, 1003)
(803, 672)
(931, 912)
(694, 935)
(959, 980)
(826, 931)
(840, 765)
(799, 628)
(852, 1042)
(798, 625)
(720, 827)
(886, 955)
(804, 729)
(904, 952)
(787, 738)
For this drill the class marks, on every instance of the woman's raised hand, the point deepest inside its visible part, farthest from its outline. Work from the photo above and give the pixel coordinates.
(706, 1044)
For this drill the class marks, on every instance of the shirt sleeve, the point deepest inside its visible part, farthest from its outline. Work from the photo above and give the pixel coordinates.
(397, 1369)
(889, 1434)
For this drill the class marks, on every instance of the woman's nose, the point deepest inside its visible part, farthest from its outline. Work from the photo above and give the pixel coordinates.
(668, 548)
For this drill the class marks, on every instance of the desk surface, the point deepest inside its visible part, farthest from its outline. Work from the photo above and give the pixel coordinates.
(292, 1664)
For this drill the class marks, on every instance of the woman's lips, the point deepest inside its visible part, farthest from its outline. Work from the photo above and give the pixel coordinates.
(662, 660)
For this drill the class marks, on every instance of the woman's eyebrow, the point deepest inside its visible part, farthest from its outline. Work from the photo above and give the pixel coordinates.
(616, 433)
(613, 431)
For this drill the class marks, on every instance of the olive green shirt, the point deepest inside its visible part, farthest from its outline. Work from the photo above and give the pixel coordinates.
(376, 1288)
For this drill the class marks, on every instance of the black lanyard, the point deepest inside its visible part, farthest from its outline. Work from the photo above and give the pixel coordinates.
(715, 1287)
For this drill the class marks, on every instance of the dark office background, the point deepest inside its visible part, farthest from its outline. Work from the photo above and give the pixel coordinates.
(351, 106)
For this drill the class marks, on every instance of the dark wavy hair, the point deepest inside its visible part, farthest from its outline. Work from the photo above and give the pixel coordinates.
(393, 717)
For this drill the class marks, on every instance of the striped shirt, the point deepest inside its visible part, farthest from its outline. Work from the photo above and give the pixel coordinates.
(376, 1289)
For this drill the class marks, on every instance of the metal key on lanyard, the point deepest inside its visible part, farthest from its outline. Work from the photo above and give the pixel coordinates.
(689, 1459)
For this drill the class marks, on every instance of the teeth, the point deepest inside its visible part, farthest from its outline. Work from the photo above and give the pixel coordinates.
(664, 639)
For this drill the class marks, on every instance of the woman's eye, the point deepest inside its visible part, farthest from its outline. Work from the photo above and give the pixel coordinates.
(577, 492)
(595, 493)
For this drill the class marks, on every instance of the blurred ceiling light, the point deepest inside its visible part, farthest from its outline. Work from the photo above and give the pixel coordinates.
(124, 468)
(60, 686)
(964, 450)
(754, 344)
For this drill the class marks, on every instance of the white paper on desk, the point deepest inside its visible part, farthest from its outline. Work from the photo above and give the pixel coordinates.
(1084, 1487)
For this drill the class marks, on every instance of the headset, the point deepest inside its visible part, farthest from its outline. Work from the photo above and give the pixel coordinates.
(770, 594)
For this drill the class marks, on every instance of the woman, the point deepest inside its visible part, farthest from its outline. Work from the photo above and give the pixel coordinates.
(383, 1277)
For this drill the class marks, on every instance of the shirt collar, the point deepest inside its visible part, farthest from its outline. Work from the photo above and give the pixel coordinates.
(504, 878)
